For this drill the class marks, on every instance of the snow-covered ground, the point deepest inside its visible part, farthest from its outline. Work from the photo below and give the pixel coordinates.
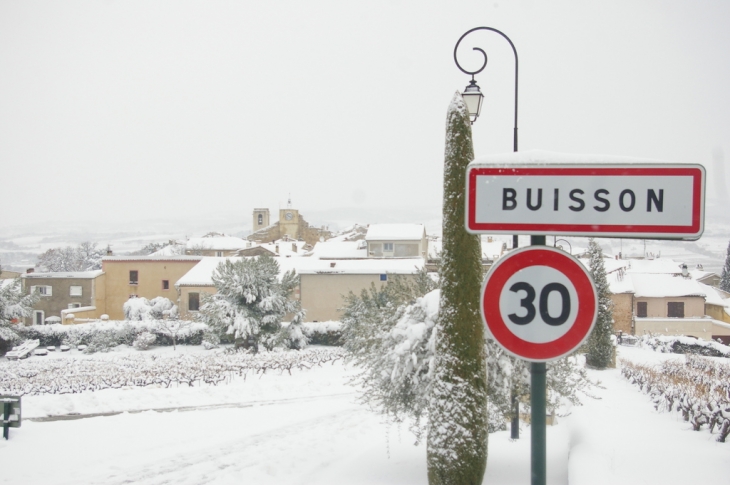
(308, 428)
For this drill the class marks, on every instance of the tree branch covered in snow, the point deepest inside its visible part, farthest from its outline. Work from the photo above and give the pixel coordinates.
(14, 306)
(85, 257)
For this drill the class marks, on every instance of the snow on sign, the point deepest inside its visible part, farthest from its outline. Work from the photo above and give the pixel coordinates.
(539, 303)
(540, 193)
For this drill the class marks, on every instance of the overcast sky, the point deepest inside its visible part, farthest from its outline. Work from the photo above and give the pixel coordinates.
(124, 110)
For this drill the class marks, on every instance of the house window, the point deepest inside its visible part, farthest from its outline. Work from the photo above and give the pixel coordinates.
(219, 253)
(76, 291)
(383, 277)
(74, 305)
(193, 302)
(165, 284)
(387, 247)
(675, 309)
(641, 309)
(38, 317)
(133, 277)
(43, 290)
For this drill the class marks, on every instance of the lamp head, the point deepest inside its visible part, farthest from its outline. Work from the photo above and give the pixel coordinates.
(473, 98)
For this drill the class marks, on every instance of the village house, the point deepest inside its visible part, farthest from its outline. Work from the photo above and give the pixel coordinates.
(142, 276)
(82, 294)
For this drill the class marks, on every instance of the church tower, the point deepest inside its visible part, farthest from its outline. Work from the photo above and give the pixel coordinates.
(260, 219)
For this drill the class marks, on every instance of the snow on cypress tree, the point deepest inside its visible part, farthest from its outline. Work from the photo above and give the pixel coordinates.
(457, 428)
(725, 279)
(600, 346)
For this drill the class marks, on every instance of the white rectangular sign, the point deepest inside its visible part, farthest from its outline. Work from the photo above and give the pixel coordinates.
(612, 200)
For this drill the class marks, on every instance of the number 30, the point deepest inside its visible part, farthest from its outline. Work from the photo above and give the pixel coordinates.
(527, 304)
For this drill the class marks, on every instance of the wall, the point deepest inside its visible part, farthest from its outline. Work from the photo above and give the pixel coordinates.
(322, 294)
(693, 327)
(623, 312)
(694, 306)
(61, 294)
(151, 272)
(184, 292)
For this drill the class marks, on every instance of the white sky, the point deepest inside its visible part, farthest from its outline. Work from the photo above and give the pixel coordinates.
(129, 110)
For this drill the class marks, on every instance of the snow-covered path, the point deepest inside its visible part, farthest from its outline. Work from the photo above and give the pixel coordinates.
(308, 429)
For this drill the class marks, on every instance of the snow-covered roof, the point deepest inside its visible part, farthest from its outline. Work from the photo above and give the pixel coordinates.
(663, 285)
(110, 259)
(201, 274)
(222, 243)
(65, 274)
(492, 249)
(395, 232)
(169, 250)
(339, 250)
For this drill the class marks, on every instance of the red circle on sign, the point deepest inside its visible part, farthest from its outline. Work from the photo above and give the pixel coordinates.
(495, 283)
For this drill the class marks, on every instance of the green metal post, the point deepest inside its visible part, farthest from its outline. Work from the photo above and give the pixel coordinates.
(6, 418)
(537, 411)
(537, 422)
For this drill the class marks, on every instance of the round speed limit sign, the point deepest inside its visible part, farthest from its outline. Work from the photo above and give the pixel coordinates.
(539, 303)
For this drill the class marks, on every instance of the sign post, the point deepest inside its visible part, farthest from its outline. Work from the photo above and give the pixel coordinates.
(538, 303)
(11, 413)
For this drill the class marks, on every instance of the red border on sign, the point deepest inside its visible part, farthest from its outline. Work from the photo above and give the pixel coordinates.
(552, 258)
(612, 229)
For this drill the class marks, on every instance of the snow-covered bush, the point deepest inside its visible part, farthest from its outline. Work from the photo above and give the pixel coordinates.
(144, 341)
(323, 333)
(684, 345)
(140, 308)
(101, 341)
(211, 339)
(698, 388)
(123, 332)
(136, 308)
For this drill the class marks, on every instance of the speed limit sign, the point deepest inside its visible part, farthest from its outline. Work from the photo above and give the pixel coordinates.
(539, 303)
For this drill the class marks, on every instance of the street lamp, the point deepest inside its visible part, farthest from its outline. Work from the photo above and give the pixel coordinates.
(472, 94)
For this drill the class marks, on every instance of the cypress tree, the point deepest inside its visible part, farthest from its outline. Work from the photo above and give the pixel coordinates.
(725, 278)
(457, 429)
(600, 347)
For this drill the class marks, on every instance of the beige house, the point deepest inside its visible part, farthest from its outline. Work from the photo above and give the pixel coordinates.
(666, 304)
(82, 294)
(325, 284)
(142, 276)
(396, 241)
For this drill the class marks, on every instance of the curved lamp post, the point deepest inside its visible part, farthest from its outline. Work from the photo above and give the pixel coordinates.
(473, 96)
(555, 244)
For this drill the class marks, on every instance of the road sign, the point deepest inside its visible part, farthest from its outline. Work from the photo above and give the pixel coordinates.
(656, 201)
(539, 303)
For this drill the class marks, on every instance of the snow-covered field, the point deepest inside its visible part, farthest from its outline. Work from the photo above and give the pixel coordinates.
(308, 428)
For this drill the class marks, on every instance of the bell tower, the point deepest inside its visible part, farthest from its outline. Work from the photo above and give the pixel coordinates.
(260, 219)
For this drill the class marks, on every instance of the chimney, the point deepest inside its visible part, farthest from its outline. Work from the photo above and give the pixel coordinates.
(294, 247)
(30, 270)
(277, 249)
(332, 264)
